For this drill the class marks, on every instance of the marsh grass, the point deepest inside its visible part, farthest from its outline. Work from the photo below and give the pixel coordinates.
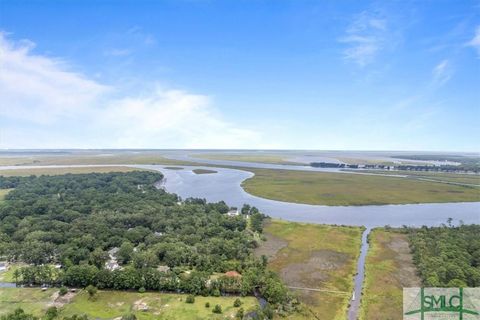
(336, 189)
(59, 171)
(319, 257)
(388, 269)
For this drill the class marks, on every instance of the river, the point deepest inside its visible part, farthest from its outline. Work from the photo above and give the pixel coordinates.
(225, 185)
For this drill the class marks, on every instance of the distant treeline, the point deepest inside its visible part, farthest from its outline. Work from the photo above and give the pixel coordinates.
(333, 165)
(442, 168)
(467, 163)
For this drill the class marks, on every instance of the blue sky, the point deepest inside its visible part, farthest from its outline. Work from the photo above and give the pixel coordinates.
(385, 75)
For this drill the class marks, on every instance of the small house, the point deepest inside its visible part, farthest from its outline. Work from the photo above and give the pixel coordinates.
(112, 265)
(233, 213)
(113, 252)
(232, 274)
(163, 268)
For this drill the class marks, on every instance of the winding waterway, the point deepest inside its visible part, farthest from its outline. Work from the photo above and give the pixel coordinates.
(225, 185)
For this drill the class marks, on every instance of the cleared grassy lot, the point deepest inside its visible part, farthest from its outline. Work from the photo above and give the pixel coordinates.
(7, 276)
(58, 171)
(352, 189)
(388, 269)
(31, 300)
(262, 158)
(317, 257)
(113, 304)
(3, 192)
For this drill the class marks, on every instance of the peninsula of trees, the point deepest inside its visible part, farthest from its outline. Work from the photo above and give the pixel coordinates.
(117, 231)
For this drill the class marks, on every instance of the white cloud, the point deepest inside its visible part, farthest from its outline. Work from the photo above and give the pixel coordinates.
(41, 89)
(171, 118)
(42, 99)
(475, 42)
(441, 73)
(366, 36)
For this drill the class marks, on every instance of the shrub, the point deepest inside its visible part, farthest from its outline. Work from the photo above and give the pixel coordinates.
(240, 313)
(237, 303)
(129, 316)
(142, 290)
(63, 291)
(92, 291)
(190, 299)
(216, 292)
(207, 305)
(51, 313)
(217, 309)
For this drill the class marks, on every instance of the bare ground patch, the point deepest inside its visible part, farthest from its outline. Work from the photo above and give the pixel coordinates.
(59, 301)
(406, 275)
(313, 272)
(270, 247)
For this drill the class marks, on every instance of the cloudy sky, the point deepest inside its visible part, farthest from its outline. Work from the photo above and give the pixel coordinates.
(386, 75)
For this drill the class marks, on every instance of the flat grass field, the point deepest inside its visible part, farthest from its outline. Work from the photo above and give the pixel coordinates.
(7, 276)
(31, 300)
(262, 158)
(388, 269)
(58, 171)
(3, 192)
(439, 176)
(336, 189)
(314, 256)
(92, 159)
(114, 304)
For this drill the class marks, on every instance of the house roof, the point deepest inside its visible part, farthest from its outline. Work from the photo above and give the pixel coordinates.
(232, 274)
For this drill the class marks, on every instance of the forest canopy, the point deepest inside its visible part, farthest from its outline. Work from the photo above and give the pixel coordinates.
(447, 256)
(117, 230)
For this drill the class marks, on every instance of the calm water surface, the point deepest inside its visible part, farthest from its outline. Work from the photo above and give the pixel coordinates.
(226, 185)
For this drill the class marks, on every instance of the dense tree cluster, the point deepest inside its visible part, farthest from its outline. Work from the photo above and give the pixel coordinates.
(467, 163)
(75, 220)
(432, 168)
(447, 256)
(333, 165)
(50, 314)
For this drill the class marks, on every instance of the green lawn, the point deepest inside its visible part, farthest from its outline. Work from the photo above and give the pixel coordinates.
(113, 304)
(389, 268)
(31, 300)
(7, 276)
(318, 257)
(351, 189)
